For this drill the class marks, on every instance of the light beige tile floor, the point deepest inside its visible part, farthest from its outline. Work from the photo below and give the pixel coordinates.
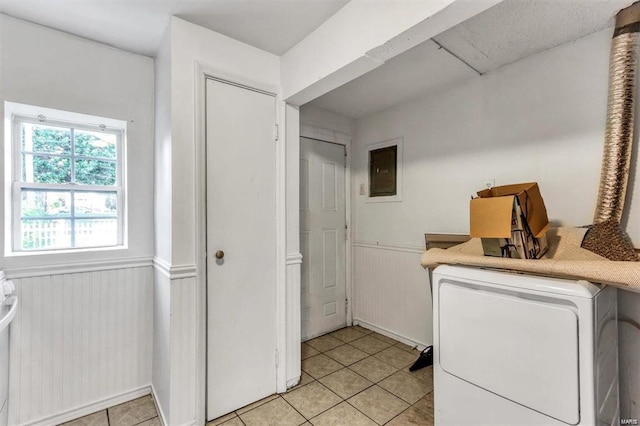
(141, 411)
(351, 377)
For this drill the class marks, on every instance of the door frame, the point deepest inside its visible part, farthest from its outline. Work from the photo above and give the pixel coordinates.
(330, 136)
(202, 73)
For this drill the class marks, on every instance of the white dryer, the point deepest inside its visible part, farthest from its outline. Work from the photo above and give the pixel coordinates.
(518, 349)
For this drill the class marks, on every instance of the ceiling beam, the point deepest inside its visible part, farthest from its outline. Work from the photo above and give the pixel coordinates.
(362, 36)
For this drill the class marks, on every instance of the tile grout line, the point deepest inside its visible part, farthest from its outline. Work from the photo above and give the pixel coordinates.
(346, 344)
(347, 368)
(146, 420)
(375, 383)
(397, 415)
(251, 409)
(422, 411)
(368, 356)
(397, 370)
(343, 366)
(356, 408)
(333, 406)
(296, 410)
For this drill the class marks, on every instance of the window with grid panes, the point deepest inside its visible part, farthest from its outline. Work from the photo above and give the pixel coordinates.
(67, 190)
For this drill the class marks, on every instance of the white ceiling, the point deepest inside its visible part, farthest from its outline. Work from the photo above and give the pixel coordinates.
(411, 74)
(505, 33)
(515, 29)
(138, 25)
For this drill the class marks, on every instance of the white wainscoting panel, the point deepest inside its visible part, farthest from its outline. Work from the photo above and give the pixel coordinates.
(293, 356)
(161, 342)
(78, 340)
(183, 351)
(391, 291)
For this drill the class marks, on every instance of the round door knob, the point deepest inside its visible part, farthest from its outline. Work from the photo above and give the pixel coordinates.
(219, 254)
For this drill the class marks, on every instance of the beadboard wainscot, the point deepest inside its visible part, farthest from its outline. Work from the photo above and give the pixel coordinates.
(81, 340)
(175, 342)
(391, 292)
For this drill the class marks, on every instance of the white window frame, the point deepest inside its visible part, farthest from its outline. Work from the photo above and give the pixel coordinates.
(19, 114)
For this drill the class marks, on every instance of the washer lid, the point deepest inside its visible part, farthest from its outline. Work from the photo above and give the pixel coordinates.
(520, 281)
(523, 350)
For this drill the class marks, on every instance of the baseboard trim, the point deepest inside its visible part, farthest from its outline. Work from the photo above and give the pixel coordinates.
(76, 413)
(161, 415)
(385, 332)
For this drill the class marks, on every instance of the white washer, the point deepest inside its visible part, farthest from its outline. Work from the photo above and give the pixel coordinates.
(519, 349)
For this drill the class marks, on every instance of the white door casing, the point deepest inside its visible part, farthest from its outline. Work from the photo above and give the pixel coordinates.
(241, 221)
(322, 237)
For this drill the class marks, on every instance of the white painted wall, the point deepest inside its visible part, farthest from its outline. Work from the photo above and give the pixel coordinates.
(163, 226)
(311, 115)
(53, 69)
(82, 339)
(540, 119)
(524, 122)
(178, 377)
(163, 169)
(193, 44)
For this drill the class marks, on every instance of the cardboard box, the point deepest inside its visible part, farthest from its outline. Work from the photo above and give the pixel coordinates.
(511, 220)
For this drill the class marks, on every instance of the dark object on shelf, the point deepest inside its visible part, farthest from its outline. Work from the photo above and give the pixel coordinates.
(424, 360)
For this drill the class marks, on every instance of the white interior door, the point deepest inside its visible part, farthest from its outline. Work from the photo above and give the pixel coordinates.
(241, 222)
(322, 237)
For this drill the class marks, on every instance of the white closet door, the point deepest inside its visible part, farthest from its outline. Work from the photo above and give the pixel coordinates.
(241, 222)
(322, 237)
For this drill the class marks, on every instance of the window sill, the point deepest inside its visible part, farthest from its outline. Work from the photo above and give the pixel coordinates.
(72, 261)
(64, 251)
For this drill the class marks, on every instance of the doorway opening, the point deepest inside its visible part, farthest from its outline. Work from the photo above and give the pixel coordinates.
(324, 237)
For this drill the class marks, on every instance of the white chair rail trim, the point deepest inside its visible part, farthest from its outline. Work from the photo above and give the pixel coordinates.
(386, 246)
(294, 259)
(76, 267)
(174, 272)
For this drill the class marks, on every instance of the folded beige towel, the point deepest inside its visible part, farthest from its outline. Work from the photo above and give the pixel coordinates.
(565, 259)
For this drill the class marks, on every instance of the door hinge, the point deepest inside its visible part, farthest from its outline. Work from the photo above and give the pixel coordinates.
(277, 359)
(346, 232)
(277, 133)
(346, 306)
